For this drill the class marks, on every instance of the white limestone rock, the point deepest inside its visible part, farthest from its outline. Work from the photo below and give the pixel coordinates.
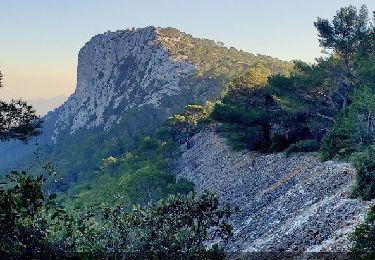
(120, 70)
(288, 203)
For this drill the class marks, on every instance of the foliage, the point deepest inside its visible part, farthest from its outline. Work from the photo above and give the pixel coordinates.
(33, 225)
(352, 39)
(17, 120)
(23, 206)
(344, 35)
(184, 224)
(253, 77)
(305, 146)
(179, 225)
(213, 59)
(250, 113)
(184, 126)
(345, 137)
(363, 237)
(139, 176)
(26, 215)
(282, 111)
(364, 163)
(77, 159)
(345, 32)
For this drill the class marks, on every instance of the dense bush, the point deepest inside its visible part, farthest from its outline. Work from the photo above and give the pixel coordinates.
(26, 214)
(363, 238)
(340, 142)
(364, 163)
(33, 225)
(139, 176)
(303, 146)
(270, 116)
(240, 136)
(183, 126)
(215, 60)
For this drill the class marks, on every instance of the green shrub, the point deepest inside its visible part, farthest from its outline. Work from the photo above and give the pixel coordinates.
(34, 225)
(345, 138)
(241, 137)
(310, 145)
(363, 238)
(364, 163)
(213, 59)
(278, 143)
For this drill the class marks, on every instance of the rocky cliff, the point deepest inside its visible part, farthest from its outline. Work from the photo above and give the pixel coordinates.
(146, 69)
(128, 83)
(288, 203)
(119, 71)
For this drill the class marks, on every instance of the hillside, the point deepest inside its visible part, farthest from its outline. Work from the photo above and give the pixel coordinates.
(149, 69)
(128, 83)
(173, 146)
(288, 203)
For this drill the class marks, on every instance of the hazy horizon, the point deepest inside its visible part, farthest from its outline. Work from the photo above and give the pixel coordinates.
(41, 40)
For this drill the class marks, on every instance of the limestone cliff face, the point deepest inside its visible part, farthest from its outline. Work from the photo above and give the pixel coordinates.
(129, 82)
(148, 71)
(294, 203)
(118, 71)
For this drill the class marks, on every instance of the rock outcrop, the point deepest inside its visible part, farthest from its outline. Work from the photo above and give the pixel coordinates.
(119, 71)
(129, 82)
(288, 203)
(147, 72)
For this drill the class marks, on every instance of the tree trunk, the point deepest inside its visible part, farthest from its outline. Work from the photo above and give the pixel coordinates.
(345, 102)
(188, 129)
(266, 132)
(369, 122)
(347, 79)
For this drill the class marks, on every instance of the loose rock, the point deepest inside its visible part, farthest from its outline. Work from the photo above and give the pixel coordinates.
(294, 203)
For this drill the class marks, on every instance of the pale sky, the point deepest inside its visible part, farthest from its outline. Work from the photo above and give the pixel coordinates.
(40, 39)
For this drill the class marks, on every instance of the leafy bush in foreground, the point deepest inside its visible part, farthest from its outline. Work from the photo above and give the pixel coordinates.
(363, 238)
(364, 163)
(33, 224)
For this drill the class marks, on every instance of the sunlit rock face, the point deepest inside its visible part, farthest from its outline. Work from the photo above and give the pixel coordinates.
(130, 82)
(119, 71)
(137, 78)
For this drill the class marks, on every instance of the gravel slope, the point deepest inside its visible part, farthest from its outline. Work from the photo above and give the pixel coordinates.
(294, 203)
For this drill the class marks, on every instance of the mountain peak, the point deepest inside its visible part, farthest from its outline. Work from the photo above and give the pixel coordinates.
(130, 82)
(149, 69)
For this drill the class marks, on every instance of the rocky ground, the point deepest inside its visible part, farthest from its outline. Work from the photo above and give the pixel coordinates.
(288, 203)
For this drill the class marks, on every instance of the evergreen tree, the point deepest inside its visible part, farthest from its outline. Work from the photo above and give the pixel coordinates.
(343, 36)
(17, 120)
